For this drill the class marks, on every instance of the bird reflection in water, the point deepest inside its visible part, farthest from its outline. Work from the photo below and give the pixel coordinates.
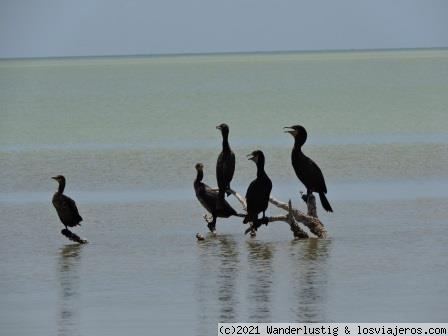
(310, 278)
(227, 280)
(69, 278)
(260, 280)
(217, 296)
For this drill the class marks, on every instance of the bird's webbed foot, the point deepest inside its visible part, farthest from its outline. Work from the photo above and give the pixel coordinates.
(255, 225)
(264, 221)
(252, 230)
(212, 227)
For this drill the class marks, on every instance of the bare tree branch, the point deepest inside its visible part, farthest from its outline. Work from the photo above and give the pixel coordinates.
(240, 199)
(293, 217)
(312, 223)
(289, 218)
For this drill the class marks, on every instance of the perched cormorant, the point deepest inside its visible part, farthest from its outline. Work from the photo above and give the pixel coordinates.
(306, 169)
(65, 206)
(225, 165)
(257, 195)
(209, 199)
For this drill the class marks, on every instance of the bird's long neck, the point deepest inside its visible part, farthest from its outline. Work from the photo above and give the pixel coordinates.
(298, 143)
(199, 177)
(260, 168)
(61, 187)
(225, 142)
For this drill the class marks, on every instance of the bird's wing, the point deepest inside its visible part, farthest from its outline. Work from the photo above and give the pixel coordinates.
(209, 190)
(207, 197)
(225, 168)
(251, 193)
(68, 203)
(317, 177)
(268, 188)
(229, 166)
(220, 170)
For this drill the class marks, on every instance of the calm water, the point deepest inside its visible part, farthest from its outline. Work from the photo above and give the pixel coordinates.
(126, 132)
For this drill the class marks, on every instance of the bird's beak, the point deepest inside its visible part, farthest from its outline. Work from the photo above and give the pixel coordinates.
(54, 178)
(218, 127)
(289, 130)
(250, 157)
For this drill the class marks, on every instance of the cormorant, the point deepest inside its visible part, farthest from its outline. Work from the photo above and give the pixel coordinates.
(257, 195)
(209, 199)
(306, 169)
(225, 165)
(65, 206)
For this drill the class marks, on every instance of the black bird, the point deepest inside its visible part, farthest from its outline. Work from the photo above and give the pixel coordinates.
(65, 206)
(257, 195)
(209, 199)
(306, 169)
(225, 165)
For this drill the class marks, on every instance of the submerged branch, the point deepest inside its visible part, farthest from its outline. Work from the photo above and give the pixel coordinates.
(73, 237)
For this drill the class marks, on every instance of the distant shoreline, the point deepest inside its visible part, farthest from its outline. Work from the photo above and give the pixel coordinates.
(224, 53)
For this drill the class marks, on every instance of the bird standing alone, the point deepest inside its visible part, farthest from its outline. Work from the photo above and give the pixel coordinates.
(65, 207)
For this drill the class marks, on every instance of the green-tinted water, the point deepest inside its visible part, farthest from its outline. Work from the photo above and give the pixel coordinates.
(127, 132)
(143, 100)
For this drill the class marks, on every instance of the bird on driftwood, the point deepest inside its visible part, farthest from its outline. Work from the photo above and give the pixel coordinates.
(209, 199)
(258, 192)
(67, 211)
(225, 165)
(306, 169)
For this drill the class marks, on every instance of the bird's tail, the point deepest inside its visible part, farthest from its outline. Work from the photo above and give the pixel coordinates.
(325, 203)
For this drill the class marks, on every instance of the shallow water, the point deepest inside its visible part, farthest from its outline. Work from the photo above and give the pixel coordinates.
(126, 132)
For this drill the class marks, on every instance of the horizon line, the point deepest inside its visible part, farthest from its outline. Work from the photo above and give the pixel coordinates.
(181, 54)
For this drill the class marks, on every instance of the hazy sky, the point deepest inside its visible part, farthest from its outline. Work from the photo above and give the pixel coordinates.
(34, 28)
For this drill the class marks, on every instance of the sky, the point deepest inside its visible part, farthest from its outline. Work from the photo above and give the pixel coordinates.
(53, 28)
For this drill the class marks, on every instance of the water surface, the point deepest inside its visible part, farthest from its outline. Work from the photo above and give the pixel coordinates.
(126, 132)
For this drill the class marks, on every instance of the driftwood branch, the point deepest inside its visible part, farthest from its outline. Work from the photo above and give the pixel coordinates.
(289, 218)
(73, 237)
(310, 204)
(310, 220)
(292, 218)
(240, 199)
